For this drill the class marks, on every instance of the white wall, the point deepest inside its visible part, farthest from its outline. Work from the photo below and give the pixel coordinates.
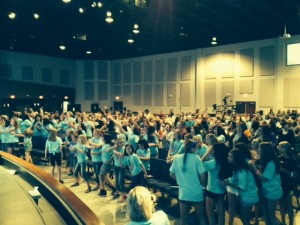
(252, 71)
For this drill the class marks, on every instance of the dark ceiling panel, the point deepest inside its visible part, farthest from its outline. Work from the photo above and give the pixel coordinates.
(165, 26)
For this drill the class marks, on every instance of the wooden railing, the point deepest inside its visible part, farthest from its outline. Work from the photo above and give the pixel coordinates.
(67, 204)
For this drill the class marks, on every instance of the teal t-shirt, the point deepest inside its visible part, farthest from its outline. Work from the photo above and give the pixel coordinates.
(144, 153)
(272, 186)
(96, 153)
(188, 177)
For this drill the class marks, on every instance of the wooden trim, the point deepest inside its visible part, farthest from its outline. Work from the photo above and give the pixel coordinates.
(67, 198)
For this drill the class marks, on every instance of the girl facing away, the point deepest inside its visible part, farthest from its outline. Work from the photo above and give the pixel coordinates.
(243, 181)
(187, 169)
(53, 149)
(271, 181)
(28, 133)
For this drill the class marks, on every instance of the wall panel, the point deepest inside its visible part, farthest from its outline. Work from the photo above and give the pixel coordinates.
(267, 92)
(117, 74)
(88, 90)
(126, 73)
(89, 70)
(185, 94)
(210, 93)
(186, 68)
(137, 95)
(148, 71)
(27, 73)
(228, 88)
(227, 64)
(102, 90)
(246, 86)
(291, 92)
(267, 60)
(172, 69)
(159, 70)
(211, 66)
(148, 94)
(247, 62)
(159, 95)
(137, 72)
(171, 95)
(102, 70)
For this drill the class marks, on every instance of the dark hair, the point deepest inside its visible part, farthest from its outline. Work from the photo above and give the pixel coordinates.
(150, 133)
(267, 153)
(128, 145)
(239, 161)
(107, 138)
(144, 143)
(244, 149)
(188, 149)
(221, 153)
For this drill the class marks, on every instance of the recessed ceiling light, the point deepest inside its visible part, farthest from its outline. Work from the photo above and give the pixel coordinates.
(99, 4)
(81, 10)
(62, 47)
(12, 15)
(136, 29)
(88, 52)
(12, 96)
(130, 40)
(66, 1)
(36, 16)
(94, 4)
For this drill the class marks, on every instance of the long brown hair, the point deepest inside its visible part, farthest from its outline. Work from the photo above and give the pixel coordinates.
(52, 135)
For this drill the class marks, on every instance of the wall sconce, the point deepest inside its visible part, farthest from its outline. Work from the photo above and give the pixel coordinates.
(245, 95)
(117, 97)
(12, 96)
(41, 97)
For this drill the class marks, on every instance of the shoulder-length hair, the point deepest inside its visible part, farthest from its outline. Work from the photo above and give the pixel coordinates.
(140, 205)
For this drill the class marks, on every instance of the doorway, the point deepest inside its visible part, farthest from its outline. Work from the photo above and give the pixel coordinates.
(246, 107)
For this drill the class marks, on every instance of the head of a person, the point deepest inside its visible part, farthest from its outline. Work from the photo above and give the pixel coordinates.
(128, 150)
(140, 205)
(285, 148)
(143, 144)
(82, 139)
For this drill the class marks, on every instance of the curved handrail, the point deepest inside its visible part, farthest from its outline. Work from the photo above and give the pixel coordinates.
(65, 200)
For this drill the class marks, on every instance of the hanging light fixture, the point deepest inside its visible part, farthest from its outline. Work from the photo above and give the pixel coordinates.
(130, 39)
(285, 34)
(12, 15)
(136, 29)
(62, 46)
(214, 41)
(109, 18)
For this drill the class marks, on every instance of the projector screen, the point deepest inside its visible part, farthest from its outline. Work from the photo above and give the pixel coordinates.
(293, 57)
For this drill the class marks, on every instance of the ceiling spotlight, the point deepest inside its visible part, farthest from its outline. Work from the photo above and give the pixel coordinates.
(130, 39)
(99, 4)
(41, 97)
(94, 4)
(214, 41)
(62, 47)
(109, 18)
(88, 51)
(12, 96)
(36, 16)
(81, 10)
(12, 15)
(136, 29)
(66, 1)
(285, 34)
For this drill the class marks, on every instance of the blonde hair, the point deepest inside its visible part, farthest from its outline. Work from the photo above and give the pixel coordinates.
(140, 205)
(82, 139)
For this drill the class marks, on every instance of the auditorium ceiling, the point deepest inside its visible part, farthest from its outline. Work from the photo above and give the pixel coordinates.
(78, 29)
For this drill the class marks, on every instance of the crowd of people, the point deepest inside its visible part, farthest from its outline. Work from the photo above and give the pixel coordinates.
(248, 162)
